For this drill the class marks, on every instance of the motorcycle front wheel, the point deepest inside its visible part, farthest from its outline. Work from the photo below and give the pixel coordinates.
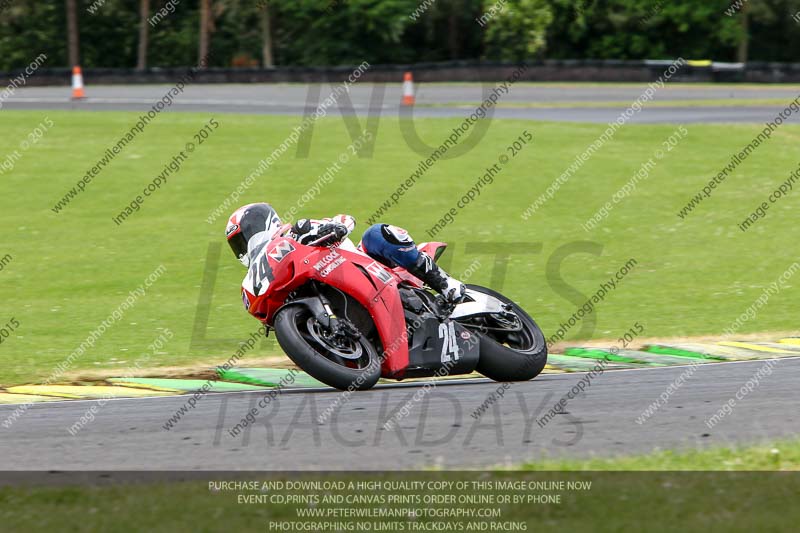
(343, 363)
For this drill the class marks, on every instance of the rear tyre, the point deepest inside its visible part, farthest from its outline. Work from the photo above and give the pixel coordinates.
(517, 353)
(345, 364)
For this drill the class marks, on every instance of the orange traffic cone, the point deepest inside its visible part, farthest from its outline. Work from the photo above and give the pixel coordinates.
(408, 89)
(77, 84)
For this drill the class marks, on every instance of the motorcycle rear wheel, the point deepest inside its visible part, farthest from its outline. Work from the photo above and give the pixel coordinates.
(510, 355)
(349, 366)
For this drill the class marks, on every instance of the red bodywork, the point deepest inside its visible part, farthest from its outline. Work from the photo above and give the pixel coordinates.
(287, 265)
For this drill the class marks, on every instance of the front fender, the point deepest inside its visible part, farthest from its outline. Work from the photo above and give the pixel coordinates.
(316, 307)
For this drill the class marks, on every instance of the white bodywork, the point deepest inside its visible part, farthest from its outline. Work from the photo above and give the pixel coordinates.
(483, 304)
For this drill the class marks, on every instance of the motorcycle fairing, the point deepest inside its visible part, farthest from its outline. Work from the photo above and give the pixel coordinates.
(439, 345)
(351, 272)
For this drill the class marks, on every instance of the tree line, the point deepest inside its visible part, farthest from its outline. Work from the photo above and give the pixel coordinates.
(264, 33)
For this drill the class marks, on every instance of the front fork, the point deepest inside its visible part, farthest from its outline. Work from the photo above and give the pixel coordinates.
(327, 317)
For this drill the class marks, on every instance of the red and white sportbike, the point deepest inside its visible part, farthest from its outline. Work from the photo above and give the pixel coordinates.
(347, 320)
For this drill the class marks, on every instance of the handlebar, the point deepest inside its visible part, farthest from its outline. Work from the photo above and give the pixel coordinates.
(336, 233)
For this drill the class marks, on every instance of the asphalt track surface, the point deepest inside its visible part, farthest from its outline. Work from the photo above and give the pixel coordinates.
(297, 99)
(438, 431)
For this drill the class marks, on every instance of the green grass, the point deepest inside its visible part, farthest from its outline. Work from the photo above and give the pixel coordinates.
(778, 456)
(746, 500)
(71, 270)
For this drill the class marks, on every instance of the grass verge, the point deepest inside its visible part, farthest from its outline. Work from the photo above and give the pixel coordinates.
(782, 455)
(550, 500)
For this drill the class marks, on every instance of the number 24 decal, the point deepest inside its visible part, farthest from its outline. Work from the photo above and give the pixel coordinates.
(262, 272)
(447, 332)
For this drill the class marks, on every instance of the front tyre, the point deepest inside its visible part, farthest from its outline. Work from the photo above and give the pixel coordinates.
(342, 363)
(512, 346)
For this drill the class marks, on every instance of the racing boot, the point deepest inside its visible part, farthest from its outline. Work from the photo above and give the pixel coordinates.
(437, 279)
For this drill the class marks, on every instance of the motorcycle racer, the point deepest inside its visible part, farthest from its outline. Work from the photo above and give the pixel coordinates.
(253, 225)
